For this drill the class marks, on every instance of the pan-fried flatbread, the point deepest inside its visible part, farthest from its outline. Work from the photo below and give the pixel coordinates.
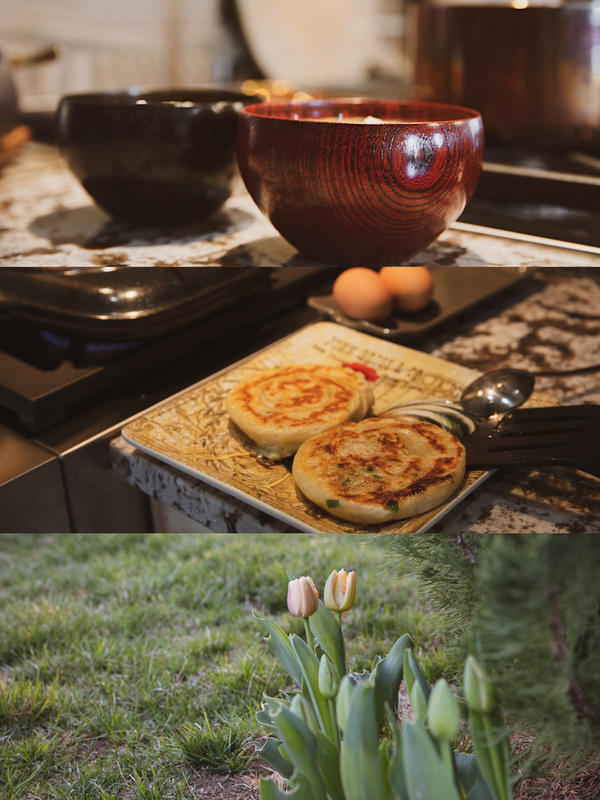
(280, 408)
(380, 469)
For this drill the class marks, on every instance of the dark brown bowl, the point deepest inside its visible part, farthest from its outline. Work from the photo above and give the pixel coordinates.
(354, 193)
(153, 156)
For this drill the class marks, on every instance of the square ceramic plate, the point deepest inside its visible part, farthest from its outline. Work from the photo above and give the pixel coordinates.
(192, 431)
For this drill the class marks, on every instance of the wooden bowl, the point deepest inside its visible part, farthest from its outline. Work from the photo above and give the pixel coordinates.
(360, 193)
(153, 157)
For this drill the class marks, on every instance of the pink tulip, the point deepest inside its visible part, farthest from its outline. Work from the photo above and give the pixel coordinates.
(302, 597)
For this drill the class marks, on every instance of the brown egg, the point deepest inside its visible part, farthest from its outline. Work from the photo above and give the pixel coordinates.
(361, 293)
(411, 287)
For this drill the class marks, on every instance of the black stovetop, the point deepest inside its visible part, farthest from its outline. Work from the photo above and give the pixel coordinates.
(541, 193)
(50, 371)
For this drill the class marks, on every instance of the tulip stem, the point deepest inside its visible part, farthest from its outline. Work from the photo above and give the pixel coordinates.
(494, 755)
(339, 614)
(333, 715)
(309, 637)
(447, 756)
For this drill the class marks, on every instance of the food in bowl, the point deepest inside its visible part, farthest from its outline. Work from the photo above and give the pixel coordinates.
(279, 408)
(153, 157)
(360, 194)
(380, 469)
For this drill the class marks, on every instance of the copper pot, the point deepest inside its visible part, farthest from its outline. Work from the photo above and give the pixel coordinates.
(532, 71)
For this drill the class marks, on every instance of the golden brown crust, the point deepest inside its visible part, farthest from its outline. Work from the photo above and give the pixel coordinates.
(380, 469)
(280, 408)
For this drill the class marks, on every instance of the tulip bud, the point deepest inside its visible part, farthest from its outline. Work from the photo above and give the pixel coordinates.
(443, 715)
(479, 690)
(342, 702)
(418, 701)
(340, 590)
(329, 681)
(302, 597)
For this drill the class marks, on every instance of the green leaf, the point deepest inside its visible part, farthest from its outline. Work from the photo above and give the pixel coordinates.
(310, 670)
(328, 759)
(328, 633)
(396, 778)
(384, 758)
(426, 775)
(360, 760)
(418, 703)
(264, 719)
(388, 676)
(490, 744)
(271, 753)
(270, 791)
(280, 646)
(412, 673)
(301, 747)
(303, 708)
(470, 777)
(270, 707)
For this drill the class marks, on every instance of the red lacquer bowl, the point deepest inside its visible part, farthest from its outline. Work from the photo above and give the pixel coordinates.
(354, 192)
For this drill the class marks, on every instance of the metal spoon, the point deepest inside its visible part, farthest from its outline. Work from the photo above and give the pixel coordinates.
(501, 390)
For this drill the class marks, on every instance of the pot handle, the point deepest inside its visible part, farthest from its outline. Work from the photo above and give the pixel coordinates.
(49, 53)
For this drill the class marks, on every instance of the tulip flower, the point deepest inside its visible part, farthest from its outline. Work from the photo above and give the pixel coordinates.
(302, 597)
(343, 700)
(329, 680)
(479, 690)
(340, 590)
(443, 714)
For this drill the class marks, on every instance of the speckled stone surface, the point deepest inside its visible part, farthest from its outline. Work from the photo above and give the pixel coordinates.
(47, 219)
(554, 323)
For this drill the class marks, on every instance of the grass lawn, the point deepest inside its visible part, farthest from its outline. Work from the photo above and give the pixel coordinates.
(130, 666)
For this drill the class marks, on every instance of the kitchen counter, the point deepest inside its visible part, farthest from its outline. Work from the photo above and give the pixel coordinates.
(47, 219)
(551, 323)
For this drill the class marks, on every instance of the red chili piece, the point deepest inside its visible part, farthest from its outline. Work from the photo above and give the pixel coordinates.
(367, 371)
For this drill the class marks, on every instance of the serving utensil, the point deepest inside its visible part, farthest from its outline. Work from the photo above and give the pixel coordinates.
(501, 390)
(558, 435)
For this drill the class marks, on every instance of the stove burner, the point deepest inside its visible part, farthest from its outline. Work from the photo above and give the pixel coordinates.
(82, 352)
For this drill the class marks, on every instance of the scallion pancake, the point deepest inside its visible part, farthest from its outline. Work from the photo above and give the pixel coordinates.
(280, 408)
(380, 469)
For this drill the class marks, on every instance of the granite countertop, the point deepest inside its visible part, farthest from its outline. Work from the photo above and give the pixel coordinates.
(553, 323)
(47, 219)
